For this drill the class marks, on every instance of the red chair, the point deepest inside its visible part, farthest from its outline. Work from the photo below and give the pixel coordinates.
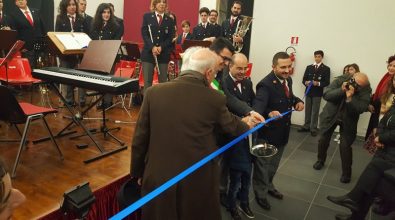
(19, 72)
(23, 113)
(125, 68)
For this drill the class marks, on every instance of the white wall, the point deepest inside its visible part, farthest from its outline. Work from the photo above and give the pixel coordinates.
(347, 31)
(93, 4)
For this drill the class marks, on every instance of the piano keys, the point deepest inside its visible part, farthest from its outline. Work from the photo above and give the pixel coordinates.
(87, 80)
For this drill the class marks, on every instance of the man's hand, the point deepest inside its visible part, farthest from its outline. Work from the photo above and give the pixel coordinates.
(256, 117)
(274, 114)
(344, 89)
(316, 83)
(307, 83)
(248, 120)
(237, 39)
(299, 106)
(371, 108)
(211, 39)
(378, 143)
(350, 91)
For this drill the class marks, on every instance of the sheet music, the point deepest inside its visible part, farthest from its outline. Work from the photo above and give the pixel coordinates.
(83, 39)
(69, 42)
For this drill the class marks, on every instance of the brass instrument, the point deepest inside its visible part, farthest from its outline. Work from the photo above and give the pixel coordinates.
(262, 149)
(242, 27)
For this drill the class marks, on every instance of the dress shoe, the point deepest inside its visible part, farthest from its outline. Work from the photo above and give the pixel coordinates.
(245, 209)
(343, 217)
(344, 201)
(235, 213)
(302, 129)
(276, 194)
(318, 165)
(314, 133)
(345, 179)
(263, 203)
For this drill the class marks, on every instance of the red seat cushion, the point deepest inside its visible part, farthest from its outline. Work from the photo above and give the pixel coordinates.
(30, 109)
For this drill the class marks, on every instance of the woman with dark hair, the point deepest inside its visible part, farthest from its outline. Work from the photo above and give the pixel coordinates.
(10, 198)
(105, 27)
(353, 68)
(345, 69)
(376, 100)
(68, 20)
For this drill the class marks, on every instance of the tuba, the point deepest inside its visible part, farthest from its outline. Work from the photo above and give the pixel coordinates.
(242, 27)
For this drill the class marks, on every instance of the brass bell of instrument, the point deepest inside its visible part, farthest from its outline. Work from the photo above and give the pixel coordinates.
(262, 149)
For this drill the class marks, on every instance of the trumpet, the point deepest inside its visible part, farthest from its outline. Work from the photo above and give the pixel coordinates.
(243, 25)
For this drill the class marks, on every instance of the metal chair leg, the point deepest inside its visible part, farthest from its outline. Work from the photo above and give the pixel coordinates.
(53, 139)
(21, 146)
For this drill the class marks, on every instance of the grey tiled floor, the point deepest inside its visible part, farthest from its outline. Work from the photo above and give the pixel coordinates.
(304, 188)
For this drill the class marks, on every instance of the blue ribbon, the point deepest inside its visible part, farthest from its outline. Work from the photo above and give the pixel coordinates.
(308, 89)
(133, 207)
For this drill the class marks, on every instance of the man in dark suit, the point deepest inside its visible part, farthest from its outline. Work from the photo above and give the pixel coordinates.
(213, 21)
(319, 75)
(239, 98)
(82, 8)
(229, 25)
(347, 97)
(27, 22)
(274, 95)
(119, 20)
(204, 30)
(183, 137)
(159, 44)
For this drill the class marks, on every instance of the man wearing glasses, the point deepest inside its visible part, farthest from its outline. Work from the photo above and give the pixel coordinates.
(347, 97)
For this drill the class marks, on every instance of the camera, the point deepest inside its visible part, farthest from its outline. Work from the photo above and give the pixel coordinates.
(351, 82)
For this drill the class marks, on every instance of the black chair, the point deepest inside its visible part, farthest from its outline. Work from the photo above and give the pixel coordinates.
(23, 113)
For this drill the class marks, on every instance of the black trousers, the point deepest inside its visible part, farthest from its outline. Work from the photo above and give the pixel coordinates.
(345, 148)
(369, 183)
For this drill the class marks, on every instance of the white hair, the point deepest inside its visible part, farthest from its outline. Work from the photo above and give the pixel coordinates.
(186, 56)
(201, 60)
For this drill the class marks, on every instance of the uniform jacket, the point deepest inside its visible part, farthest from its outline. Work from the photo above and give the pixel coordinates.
(240, 104)
(107, 33)
(173, 132)
(270, 96)
(162, 36)
(4, 21)
(179, 38)
(335, 97)
(88, 21)
(217, 30)
(199, 32)
(26, 32)
(322, 75)
(228, 30)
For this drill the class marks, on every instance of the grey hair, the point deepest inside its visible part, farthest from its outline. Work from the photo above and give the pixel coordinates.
(186, 56)
(202, 59)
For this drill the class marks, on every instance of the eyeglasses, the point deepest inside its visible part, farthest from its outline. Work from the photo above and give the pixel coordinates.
(226, 59)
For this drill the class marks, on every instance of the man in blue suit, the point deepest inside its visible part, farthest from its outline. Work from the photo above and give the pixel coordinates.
(274, 95)
(160, 45)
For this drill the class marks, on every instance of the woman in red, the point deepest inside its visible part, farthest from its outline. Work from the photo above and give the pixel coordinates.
(381, 89)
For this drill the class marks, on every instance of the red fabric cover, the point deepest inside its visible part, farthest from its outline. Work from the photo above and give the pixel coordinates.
(19, 72)
(106, 204)
(248, 73)
(125, 68)
(30, 109)
(380, 89)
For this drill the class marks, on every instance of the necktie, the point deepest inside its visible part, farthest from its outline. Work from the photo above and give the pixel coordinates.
(232, 21)
(72, 22)
(160, 19)
(238, 85)
(316, 67)
(184, 35)
(286, 90)
(29, 18)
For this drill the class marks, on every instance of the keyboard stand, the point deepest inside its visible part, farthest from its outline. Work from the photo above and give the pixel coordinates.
(76, 120)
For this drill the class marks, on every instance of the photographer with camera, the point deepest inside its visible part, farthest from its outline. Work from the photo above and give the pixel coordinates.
(347, 97)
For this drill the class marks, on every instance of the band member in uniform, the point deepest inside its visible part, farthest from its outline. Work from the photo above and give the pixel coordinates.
(158, 31)
(27, 22)
(82, 7)
(213, 20)
(105, 27)
(68, 20)
(319, 75)
(274, 95)
(186, 35)
(230, 24)
(204, 30)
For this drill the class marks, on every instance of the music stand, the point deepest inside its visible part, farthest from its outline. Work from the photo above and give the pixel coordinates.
(8, 39)
(130, 50)
(10, 55)
(195, 43)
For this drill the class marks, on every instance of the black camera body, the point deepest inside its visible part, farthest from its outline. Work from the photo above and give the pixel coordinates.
(351, 82)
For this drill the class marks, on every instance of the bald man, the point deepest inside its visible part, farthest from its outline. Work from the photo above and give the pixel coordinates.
(238, 160)
(347, 97)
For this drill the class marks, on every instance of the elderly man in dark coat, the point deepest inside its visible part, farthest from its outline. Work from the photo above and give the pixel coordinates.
(175, 130)
(347, 97)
